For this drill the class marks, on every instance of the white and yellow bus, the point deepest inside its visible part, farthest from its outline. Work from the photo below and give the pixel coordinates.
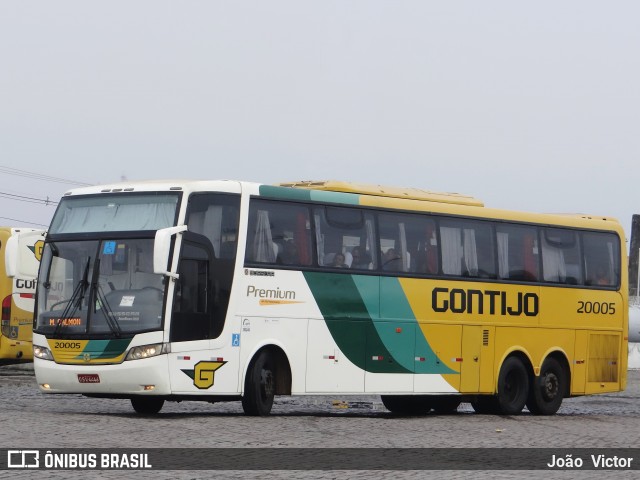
(225, 290)
(17, 293)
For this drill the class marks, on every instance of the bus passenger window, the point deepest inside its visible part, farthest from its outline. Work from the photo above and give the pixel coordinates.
(467, 248)
(279, 233)
(561, 259)
(518, 257)
(600, 255)
(408, 243)
(341, 231)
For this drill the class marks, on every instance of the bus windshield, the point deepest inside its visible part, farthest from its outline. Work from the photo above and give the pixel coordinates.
(99, 287)
(118, 212)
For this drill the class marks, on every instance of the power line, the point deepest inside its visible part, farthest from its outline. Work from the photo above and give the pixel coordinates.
(38, 176)
(22, 221)
(23, 198)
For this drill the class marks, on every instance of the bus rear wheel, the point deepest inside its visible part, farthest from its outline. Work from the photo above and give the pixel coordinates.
(147, 405)
(547, 390)
(513, 387)
(259, 386)
(406, 404)
(486, 405)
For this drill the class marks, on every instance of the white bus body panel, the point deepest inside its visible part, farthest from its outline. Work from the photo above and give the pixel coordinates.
(124, 378)
(328, 369)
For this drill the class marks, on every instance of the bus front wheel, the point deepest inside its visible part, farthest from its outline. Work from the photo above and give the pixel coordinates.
(147, 405)
(513, 387)
(547, 390)
(259, 386)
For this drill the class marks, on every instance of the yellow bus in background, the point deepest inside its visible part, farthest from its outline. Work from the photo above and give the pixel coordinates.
(17, 293)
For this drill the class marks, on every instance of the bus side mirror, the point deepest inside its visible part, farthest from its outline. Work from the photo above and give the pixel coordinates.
(22, 253)
(162, 248)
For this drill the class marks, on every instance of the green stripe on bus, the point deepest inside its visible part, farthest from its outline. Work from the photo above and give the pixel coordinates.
(396, 311)
(371, 321)
(105, 348)
(301, 194)
(284, 193)
(349, 322)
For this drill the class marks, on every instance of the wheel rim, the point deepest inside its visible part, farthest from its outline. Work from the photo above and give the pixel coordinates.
(550, 386)
(266, 384)
(512, 387)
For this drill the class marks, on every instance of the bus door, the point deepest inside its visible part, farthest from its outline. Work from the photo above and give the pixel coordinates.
(198, 354)
(476, 370)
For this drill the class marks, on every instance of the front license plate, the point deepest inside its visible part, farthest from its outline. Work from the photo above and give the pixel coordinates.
(88, 378)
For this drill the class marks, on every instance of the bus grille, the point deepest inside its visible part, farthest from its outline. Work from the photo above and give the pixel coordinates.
(603, 358)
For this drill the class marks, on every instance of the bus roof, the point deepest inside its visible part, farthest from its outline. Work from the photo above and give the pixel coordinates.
(392, 197)
(385, 191)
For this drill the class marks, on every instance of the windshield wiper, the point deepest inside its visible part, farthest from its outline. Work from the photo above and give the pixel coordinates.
(96, 290)
(76, 298)
(54, 253)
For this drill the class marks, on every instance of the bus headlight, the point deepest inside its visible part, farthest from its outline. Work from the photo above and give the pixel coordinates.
(146, 351)
(42, 353)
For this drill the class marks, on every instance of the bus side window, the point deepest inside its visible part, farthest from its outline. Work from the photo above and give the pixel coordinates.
(561, 258)
(518, 257)
(341, 231)
(279, 233)
(601, 251)
(467, 248)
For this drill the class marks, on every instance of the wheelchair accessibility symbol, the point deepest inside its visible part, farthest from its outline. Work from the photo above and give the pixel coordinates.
(235, 339)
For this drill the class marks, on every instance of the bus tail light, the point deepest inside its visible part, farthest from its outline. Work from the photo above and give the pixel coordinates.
(6, 316)
(6, 309)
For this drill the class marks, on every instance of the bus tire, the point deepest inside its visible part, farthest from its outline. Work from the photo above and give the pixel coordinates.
(259, 386)
(547, 390)
(445, 404)
(147, 405)
(406, 404)
(513, 387)
(485, 405)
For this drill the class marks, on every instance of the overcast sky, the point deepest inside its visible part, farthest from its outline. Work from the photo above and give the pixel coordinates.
(526, 105)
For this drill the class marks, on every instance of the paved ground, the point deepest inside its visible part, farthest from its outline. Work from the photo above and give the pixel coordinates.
(29, 419)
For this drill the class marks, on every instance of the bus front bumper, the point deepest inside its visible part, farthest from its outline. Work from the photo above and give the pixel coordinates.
(149, 376)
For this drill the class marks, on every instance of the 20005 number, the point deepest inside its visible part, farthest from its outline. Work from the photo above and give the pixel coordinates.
(597, 307)
(72, 345)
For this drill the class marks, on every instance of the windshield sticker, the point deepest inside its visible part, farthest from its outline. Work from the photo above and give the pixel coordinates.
(127, 300)
(109, 248)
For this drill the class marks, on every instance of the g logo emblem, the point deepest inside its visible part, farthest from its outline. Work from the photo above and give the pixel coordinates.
(203, 374)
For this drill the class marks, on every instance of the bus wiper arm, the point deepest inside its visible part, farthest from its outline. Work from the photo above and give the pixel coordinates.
(76, 299)
(96, 290)
(112, 320)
